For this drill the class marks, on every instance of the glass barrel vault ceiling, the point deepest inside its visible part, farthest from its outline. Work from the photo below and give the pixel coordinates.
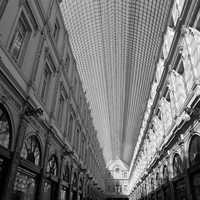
(115, 44)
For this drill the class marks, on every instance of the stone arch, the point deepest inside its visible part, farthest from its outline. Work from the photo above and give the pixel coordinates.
(194, 150)
(177, 165)
(6, 130)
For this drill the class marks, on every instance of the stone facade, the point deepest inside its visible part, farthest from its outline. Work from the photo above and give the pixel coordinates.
(48, 145)
(166, 165)
(116, 179)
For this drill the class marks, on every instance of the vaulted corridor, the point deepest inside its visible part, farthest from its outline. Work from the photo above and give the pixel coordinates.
(99, 99)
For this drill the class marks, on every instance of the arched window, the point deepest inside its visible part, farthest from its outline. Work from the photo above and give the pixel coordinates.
(81, 184)
(171, 22)
(117, 169)
(52, 166)
(5, 127)
(194, 150)
(165, 174)
(158, 182)
(31, 150)
(75, 180)
(180, 68)
(152, 184)
(177, 165)
(67, 62)
(66, 175)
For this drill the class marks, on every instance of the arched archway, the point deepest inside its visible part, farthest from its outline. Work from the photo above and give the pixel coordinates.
(194, 161)
(5, 142)
(5, 128)
(194, 150)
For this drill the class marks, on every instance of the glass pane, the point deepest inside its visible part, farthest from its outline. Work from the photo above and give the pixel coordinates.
(194, 152)
(66, 174)
(2, 171)
(5, 128)
(70, 128)
(47, 191)
(17, 45)
(177, 165)
(18, 40)
(31, 150)
(52, 166)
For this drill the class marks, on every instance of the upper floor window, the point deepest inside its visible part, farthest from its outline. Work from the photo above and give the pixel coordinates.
(180, 68)
(80, 102)
(76, 138)
(3, 4)
(5, 127)
(67, 62)
(31, 150)
(158, 180)
(56, 30)
(167, 94)
(66, 175)
(19, 38)
(82, 146)
(171, 22)
(152, 184)
(75, 180)
(158, 114)
(60, 108)
(125, 174)
(177, 165)
(71, 120)
(81, 184)
(75, 84)
(194, 150)
(125, 187)
(198, 24)
(45, 82)
(52, 166)
(117, 169)
(165, 174)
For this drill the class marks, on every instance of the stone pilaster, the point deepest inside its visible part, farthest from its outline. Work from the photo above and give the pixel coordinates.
(9, 183)
(43, 170)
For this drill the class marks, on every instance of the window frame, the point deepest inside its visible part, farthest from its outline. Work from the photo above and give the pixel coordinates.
(60, 107)
(56, 32)
(28, 31)
(35, 139)
(49, 72)
(70, 127)
(3, 5)
(8, 119)
(67, 63)
(194, 146)
(52, 159)
(177, 169)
